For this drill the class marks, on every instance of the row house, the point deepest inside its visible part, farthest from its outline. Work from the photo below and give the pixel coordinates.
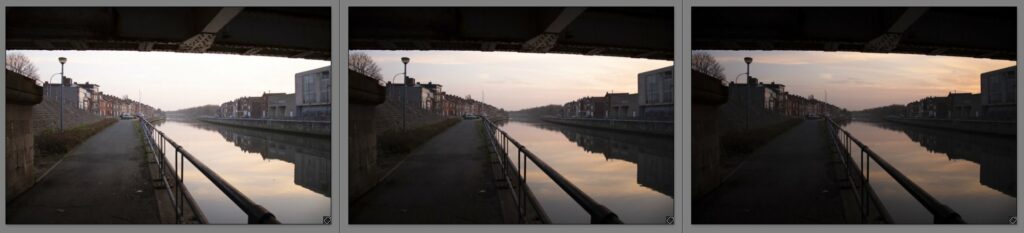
(622, 105)
(244, 107)
(930, 107)
(586, 107)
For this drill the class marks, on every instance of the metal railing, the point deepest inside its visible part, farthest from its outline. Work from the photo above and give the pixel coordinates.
(158, 141)
(500, 142)
(861, 180)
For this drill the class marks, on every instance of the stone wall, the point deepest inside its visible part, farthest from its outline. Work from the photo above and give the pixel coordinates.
(661, 128)
(1004, 128)
(365, 97)
(319, 128)
(22, 93)
(389, 116)
(46, 116)
(708, 95)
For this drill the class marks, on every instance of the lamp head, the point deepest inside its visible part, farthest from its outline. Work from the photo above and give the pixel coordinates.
(748, 60)
(405, 60)
(62, 60)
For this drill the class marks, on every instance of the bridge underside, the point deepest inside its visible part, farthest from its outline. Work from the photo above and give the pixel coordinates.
(639, 32)
(981, 32)
(296, 32)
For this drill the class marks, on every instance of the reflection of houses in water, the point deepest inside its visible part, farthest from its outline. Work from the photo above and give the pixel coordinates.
(652, 155)
(310, 155)
(996, 155)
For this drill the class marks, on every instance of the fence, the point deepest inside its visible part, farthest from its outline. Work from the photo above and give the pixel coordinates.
(860, 177)
(515, 176)
(157, 141)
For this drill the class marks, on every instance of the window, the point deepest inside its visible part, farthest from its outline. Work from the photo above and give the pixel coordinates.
(309, 89)
(652, 90)
(325, 87)
(666, 84)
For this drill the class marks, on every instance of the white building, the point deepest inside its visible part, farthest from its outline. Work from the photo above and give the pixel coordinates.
(999, 94)
(655, 94)
(313, 93)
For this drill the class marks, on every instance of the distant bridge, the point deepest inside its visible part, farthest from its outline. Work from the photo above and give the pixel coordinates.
(981, 32)
(639, 32)
(296, 32)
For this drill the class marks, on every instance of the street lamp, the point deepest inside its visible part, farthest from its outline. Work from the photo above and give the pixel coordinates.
(405, 79)
(750, 88)
(62, 60)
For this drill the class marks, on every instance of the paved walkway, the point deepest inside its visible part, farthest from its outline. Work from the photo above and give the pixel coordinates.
(102, 181)
(787, 181)
(446, 180)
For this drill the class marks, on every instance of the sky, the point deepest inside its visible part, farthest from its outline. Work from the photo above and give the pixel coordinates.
(858, 81)
(516, 81)
(172, 81)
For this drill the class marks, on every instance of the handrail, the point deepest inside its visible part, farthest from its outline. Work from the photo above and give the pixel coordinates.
(599, 214)
(942, 213)
(256, 213)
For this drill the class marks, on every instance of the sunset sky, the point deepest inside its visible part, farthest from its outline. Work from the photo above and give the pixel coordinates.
(172, 81)
(515, 81)
(861, 80)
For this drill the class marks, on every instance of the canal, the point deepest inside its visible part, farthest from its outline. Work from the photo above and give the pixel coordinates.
(974, 174)
(630, 174)
(286, 173)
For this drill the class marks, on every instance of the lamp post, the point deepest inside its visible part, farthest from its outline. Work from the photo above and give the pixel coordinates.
(405, 80)
(750, 88)
(60, 112)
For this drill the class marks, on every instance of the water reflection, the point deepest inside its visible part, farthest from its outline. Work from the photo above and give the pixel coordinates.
(311, 155)
(973, 174)
(630, 174)
(287, 174)
(996, 155)
(652, 155)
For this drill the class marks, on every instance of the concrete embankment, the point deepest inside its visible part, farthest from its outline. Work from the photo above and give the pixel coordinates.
(317, 128)
(660, 128)
(1004, 128)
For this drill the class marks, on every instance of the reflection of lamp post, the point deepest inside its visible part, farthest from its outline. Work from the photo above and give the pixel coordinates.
(62, 60)
(750, 88)
(405, 80)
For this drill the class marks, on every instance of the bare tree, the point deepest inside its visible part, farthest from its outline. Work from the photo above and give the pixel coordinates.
(19, 63)
(705, 63)
(364, 64)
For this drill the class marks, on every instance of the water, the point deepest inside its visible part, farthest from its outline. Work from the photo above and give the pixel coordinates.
(975, 175)
(630, 174)
(288, 174)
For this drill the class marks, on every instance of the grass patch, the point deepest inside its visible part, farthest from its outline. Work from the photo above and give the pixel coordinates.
(397, 141)
(738, 145)
(750, 140)
(394, 145)
(51, 141)
(52, 145)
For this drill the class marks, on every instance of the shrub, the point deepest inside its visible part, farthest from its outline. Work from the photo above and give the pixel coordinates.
(53, 142)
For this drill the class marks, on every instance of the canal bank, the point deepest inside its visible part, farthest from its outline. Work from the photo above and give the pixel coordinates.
(1002, 128)
(316, 128)
(659, 128)
(101, 181)
(444, 181)
(795, 178)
